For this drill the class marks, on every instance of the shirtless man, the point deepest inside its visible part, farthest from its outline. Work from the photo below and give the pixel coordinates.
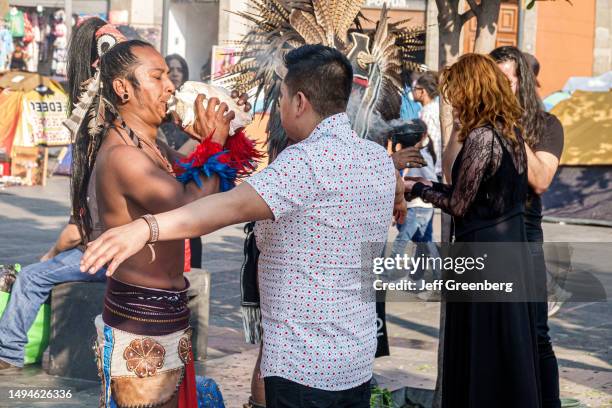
(143, 348)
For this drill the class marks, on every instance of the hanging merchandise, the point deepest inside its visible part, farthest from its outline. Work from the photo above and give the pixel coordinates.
(28, 34)
(33, 47)
(47, 39)
(16, 22)
(59, 45)
(6, 46)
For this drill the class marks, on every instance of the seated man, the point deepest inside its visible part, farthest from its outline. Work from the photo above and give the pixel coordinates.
(32, 288)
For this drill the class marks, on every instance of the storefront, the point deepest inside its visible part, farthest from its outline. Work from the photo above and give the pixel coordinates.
(36, 32)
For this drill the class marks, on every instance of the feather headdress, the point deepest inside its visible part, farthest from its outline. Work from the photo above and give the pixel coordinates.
(378, 57)
(91, 106)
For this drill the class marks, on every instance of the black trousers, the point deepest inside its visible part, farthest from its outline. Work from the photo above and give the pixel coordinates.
(283, 393)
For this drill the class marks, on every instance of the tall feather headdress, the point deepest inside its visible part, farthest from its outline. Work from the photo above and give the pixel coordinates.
(378, 57)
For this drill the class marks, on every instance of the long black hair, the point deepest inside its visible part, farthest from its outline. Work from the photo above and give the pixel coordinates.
(533, 119)
(429, 82)
(184, 66)
(118, 62)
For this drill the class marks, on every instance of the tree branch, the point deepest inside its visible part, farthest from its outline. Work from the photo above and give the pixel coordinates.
(474, 7)
(466, 16)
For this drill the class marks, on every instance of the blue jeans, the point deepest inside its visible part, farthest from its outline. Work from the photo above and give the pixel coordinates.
(417, 228)
(30, 291)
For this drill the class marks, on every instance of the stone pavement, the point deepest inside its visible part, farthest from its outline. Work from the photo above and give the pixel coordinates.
(31, 217)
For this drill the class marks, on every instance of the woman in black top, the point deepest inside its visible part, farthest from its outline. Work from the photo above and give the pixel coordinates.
(490, 351)
(544, 139)
(179, 74)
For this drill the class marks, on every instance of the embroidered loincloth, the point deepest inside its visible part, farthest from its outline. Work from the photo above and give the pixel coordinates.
(140, 310)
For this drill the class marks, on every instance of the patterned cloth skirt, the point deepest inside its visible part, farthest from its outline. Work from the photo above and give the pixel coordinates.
(143, 350)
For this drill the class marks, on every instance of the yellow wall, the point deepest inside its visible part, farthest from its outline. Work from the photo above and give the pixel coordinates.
(564, 42)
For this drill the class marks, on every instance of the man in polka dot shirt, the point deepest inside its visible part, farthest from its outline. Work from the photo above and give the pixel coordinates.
(317, 202)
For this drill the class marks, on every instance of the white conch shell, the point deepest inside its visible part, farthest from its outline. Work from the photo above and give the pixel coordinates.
(184, 99)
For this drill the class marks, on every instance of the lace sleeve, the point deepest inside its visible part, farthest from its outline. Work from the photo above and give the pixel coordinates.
(481, 157)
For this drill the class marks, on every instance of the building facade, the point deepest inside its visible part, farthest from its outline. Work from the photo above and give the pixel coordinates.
(568, 40)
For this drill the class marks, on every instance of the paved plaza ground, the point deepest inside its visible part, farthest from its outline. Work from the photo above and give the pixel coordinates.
(31, 217)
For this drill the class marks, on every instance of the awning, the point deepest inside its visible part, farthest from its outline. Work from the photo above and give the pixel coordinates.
(587, 123)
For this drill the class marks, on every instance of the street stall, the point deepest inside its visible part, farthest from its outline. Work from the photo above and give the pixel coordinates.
(32, 111)
(582, 190)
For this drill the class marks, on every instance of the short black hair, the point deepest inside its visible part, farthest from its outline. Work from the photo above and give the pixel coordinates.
(429, 82)
(323, 74)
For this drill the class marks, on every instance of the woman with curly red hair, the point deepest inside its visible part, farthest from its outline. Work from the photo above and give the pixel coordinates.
(489, 357)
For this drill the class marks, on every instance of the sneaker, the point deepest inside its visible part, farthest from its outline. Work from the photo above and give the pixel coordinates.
(556, 300)
(553, 308)
(5, 366)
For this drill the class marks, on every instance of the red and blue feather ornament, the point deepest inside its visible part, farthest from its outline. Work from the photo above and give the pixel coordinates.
(237, 159)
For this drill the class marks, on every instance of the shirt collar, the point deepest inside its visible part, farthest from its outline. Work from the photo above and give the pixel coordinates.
(339, 122)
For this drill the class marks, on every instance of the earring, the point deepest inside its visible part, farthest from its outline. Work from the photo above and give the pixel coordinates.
(125, 97)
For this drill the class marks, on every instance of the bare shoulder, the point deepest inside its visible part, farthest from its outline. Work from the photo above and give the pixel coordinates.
(117, 158)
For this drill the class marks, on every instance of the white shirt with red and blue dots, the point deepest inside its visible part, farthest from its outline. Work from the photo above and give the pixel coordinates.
(329, 194)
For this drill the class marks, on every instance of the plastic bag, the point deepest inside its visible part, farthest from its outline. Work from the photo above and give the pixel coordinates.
(38, 335)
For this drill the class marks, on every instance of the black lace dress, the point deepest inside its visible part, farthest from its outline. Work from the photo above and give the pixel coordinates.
(490, 349)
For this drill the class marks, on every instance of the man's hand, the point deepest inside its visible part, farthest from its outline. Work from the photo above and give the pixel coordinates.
(242, 100)
(410, 157)
(409, 183)
(236, 206)
(215, 118)
(115, 246)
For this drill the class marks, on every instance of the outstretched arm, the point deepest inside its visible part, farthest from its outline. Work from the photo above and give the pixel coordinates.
(69, 238)
(200, 217)
(276, 191)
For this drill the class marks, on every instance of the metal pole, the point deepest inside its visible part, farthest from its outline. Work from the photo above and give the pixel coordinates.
(165, 19)
(68, 18)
